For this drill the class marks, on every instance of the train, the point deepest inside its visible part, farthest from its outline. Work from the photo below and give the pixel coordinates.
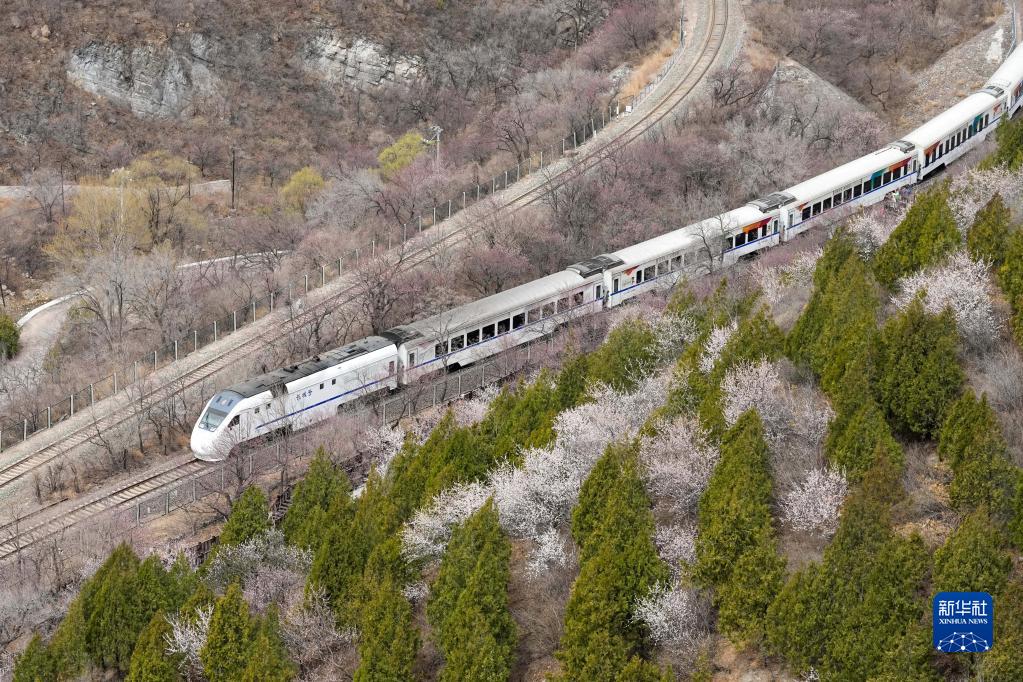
(318, 388)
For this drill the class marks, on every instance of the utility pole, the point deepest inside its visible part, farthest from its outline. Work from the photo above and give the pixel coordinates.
(232, 177)
(436, 130)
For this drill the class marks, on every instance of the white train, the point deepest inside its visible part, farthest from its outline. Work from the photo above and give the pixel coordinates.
(316, 389)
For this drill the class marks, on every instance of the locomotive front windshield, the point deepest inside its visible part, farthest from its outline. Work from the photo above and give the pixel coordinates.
(212, 418)
(218, 409)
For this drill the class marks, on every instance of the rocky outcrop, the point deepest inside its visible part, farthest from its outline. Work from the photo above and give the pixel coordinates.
(154, 82)
(359, 63)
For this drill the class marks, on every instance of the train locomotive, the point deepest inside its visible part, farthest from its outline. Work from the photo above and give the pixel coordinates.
(316, 389)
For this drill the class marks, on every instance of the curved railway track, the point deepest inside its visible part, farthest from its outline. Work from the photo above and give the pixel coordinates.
(51, 519)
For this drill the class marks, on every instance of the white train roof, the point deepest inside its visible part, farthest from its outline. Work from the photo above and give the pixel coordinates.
(863, 167)
(486, 309)
(950, 120)
(1010, 72)
(687, 236)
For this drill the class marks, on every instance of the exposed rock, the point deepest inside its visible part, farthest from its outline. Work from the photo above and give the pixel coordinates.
(154, 82)
(336, 59)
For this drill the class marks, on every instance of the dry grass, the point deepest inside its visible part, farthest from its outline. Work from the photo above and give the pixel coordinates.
(645, 71)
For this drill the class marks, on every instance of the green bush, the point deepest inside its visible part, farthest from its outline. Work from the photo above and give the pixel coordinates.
(988, 237)
(1009, 152)
(250, 516)
(320, 501)
(1004, 662)
(917, 369)
(971, 443)
(10, 337)
(388, 639)
(232, 630)
(974, 558)
(150, 662)
(925, 236)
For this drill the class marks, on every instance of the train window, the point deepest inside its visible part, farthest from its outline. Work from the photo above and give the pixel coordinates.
(877, 182)
(599, 293)
(649, 273)
(333, 382)
(662, 268)
(534, 314)
(548, 309)
(472, 338)
(257, 409)
(837, 199)
(390, 367)
(268, 407)
(503, 326)
(826, 204)
(676, 263)
(887, 177)
(457, 343)
(519, 321)
(729, 243)
(639, 277)
(411, 359)
(806, 213)
(817, 208)
(614, 285)
(688, 257)
(763, 230)
(577, 298)
(563, 304)
(440, 349)
(488, 332)
(234, 422)
(321, 387)
(740, 239)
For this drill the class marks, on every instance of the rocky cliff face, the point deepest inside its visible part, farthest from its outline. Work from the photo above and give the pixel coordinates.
(154, 82)
(340, 60)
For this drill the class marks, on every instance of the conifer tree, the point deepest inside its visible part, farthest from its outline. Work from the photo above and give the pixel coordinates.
(987, 238)
(67, 646)
(338, 565)
(639, 670)
(627, 354)
(918, 374)
(388, 640)
(1004, 662)
(1009, 140)
(320, 500)
(618, 565)
(250, 516)
(974, 558)
(971, 443)
(927, 234)
(225, 655)
(912, 660)
(1010, 274)
(34, 664)
(735, 547)
(149, 661)
(469, 600)
(268, 659)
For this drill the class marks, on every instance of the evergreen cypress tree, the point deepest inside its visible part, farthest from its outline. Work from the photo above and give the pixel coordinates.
(67, 646)
(974, 558)
(388, 640)
(268, 659)
(735, 546)
(1004, 662)
(469, 600)
(912, 660)
(225, 655)
(1009, 152)
(639, 670)
(250, 516)
(34, 664)
(338, 565)
(629, 348)
(971, 442)
(618, 565)
(149, 661)
(918, 372)
(320, 500)
(988, 236)
(927, 234)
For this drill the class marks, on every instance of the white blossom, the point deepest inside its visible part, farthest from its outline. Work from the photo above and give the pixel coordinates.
(747, 386)
(428, 532)
(776, 281)
(271, 585)
(674, 333)
(309, 627)
(472, 410)
(416, 592)
(381, 445)
(814, 505)
(188, 637)
(676, 545)
(678, 463)
(240, 563)
(962, 285)
(548, 553)
(970, 192)
(716, 342)
(675, 616)
(870, 230)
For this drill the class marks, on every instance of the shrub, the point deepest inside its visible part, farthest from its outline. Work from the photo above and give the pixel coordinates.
(400, 154)
(988, 236)
(301, 189)
(10, 337)
(918, 374)
(250, 516)
(926, 235)
(974, 558)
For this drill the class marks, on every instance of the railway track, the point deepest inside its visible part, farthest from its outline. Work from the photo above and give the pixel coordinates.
(85, 425)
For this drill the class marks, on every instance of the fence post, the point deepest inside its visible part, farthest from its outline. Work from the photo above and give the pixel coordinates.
(271, 307)
(25, 433)
(49, 420)
(463, 199)
(575, 141)
(493, 184)
(307, 282)
(563, 140)
(115, 381)
(155, 365)
(434, 215)
(339, 265)
(477, 191)
(541, 159)
(404, 233)
(92, 395)
(483, 375)
(215, 327)
(135, 367)
(234, 315)
(195, 332)
(505, 177)
(72, 405)
(175, 350)
(449, 208)
(323, 275)
(373, 243)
